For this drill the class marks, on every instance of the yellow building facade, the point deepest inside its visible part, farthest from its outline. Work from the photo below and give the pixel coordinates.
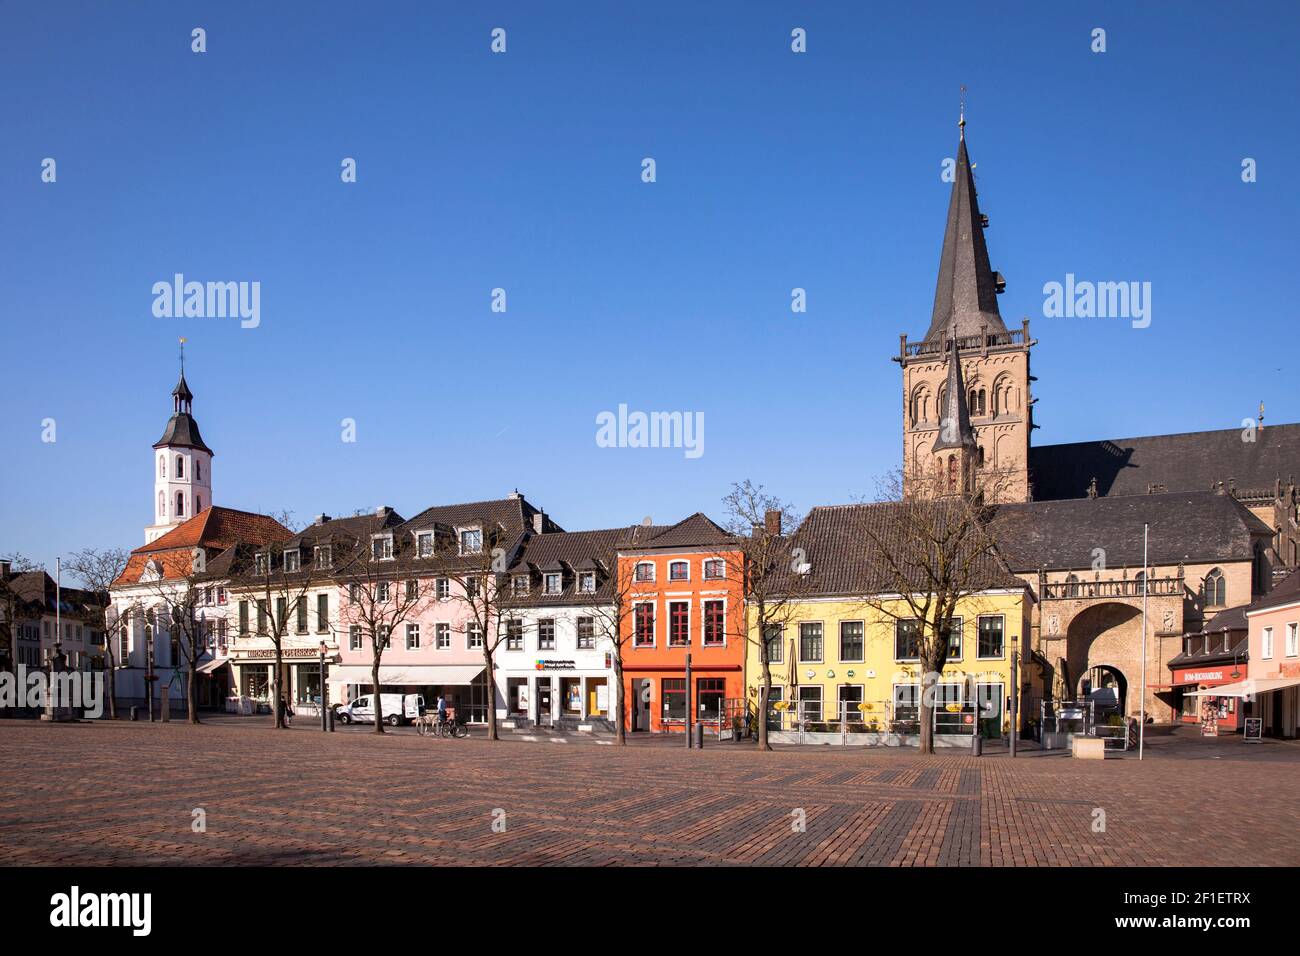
(847, 670)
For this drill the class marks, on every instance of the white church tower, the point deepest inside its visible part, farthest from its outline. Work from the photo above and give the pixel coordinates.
(182, 466)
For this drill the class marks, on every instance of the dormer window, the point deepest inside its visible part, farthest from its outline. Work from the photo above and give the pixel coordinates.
(587, 582)
(554, 582)
(471, 541)
(645, 572)
(520, 584)
(261, 563)
(292, 559)
(424, 544)
(381, 547)
(323, 556)
(679, 571)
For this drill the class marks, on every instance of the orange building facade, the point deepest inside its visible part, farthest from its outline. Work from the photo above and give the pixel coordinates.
(686, 597)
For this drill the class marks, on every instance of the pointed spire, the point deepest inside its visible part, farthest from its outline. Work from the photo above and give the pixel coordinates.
(954, 416)
(966, 294)
(181, 394)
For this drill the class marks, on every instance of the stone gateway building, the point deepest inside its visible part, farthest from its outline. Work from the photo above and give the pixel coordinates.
(1222, 508)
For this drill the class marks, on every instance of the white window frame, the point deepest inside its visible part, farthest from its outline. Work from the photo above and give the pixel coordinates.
(999, 657)
(323, 556)
(1293, 639)
(583, 578)
(355, 641)
(636, 573)
(520, 583)
(674, 563)
(296, 556)
(654, 624)
(386, 549)
(471, 627)
(421, 538)
(460, 539)
(412, 631)
(555, 633)
(820, 660)
(668, 619)
(1267, 650)
(442, 636)
(559, 582)
(714, 577)
(442, 588)
(704, 620)
(840, 649)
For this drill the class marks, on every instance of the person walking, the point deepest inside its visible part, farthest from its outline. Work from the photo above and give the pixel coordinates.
(286, 710)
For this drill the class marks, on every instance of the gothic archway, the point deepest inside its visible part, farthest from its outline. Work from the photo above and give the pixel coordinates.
(1104, 643)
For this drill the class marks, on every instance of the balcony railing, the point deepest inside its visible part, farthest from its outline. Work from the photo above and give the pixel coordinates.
(965, 343)
(1102, 590)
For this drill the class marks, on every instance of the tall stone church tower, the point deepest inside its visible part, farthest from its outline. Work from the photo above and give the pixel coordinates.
(182, 467)
(967, 409)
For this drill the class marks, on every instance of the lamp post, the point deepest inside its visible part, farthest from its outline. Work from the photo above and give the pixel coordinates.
(1015, 695)
(688, 700)
(324, 716)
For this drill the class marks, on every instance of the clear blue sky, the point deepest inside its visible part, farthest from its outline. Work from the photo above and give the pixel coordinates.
(522, 171)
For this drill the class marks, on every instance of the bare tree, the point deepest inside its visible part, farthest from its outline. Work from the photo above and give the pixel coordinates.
(10, 603)
(925, 553)
(280, 575)
(180, 599)
(772, 575)
(481, 585)
(97, 570)
(610, 605)
(383, 592)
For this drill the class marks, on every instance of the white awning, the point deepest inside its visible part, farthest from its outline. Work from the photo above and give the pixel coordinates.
(1247, 687)
(416, 675)
(212, 666)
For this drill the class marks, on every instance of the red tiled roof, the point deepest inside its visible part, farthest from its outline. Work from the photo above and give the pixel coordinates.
(213, 528)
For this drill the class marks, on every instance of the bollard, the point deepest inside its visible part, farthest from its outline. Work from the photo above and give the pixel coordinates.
(135, 713)
(331, 719)
(699, 736)
(976, 746)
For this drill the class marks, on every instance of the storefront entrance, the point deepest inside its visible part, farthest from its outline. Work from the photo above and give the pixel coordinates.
(544, 712)
(640, 705)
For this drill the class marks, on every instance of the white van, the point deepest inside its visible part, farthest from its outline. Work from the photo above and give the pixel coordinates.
(396, 708)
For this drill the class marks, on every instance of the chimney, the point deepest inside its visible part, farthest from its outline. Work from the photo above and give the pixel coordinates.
(5, 568)
(382, 511)
(539, 522)
(514, 495)
(772, 521)
(322, 518)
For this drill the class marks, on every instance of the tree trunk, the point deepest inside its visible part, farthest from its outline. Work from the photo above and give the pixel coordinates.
(764, 697)
(379, 698)
(620, 722)
(192, 693)
(492, 702)
(926, 715)
(112, 689)
(277, 689)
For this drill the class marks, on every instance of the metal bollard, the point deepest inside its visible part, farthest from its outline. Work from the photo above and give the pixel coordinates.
(976, 745)
(331, 719)
(699, 736)
(135, 713)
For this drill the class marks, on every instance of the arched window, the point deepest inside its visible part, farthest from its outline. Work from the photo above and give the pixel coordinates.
(180, 504)
(920, 409)
(1141, 578)
(198, 469)
(180, 467)
(162, 466)
(977, 402)
(1215, 589)
(198, 504)
(952, 473)
(162, 505)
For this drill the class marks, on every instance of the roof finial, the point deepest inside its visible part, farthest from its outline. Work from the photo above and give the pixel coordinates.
(961, 116)
(182, 356)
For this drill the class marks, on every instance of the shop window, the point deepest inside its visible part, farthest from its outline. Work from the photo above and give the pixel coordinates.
(907, 701)
(810, 702)
(711, 693)
(850, 695)
(674, 698)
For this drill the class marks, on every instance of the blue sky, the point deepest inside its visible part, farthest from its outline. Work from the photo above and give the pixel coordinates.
(522, 171)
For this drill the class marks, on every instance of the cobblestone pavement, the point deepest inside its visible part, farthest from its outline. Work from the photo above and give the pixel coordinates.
(124, 793)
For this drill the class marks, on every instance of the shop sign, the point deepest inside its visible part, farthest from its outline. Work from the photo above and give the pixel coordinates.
(551, 665)
(1200, 676)
(1254, 729)
(267, 654)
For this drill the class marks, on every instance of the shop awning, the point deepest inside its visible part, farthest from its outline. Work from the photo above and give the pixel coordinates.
(1250, 685)
(211, 667)
(416, 675)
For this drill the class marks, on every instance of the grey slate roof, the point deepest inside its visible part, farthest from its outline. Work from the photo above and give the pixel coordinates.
(697, 530)
(838, 545)
(965, 295)
(576, 550)
(1287, 591)
(1189, 527)
(1191, 461)
(183, 431)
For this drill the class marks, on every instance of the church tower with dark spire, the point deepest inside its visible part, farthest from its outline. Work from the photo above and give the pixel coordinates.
(966, 396)
(182, 465)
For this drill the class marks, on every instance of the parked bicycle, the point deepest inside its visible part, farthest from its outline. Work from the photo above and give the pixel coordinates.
(430, 726)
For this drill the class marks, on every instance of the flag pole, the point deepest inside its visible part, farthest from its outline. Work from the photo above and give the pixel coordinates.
(1142, 724)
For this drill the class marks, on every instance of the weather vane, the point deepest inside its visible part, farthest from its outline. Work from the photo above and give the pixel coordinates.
(961, 116)
(182, 355)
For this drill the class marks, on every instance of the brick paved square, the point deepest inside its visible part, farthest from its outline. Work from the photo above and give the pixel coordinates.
(124, 793)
